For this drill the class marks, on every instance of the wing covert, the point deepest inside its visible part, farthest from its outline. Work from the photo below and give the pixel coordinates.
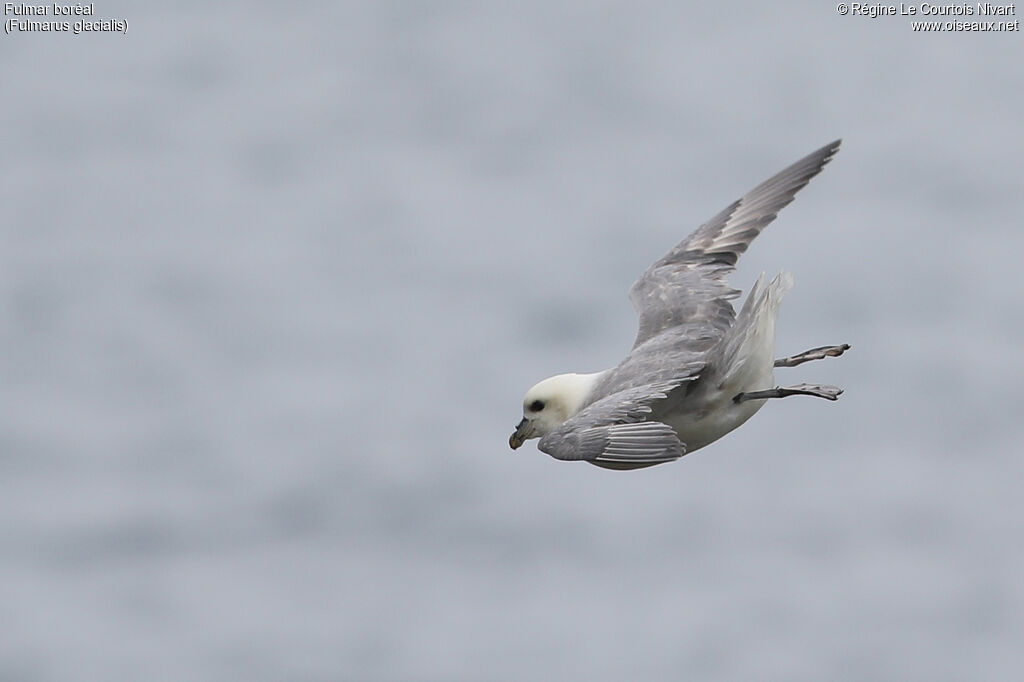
(612, 431)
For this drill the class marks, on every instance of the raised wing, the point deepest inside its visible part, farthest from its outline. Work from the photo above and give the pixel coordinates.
(688, 283)
(612, 432)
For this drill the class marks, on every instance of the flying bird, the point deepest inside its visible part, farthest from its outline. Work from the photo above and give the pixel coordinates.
(697, 370)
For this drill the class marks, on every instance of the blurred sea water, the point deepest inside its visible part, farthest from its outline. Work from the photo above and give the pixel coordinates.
(273, 283)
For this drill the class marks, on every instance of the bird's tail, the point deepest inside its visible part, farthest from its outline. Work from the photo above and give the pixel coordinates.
(748, 348)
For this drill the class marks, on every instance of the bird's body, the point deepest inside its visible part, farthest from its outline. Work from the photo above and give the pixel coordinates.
(697, 370)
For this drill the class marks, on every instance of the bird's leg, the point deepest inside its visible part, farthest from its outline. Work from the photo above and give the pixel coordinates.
(817, 390)
(813, 354)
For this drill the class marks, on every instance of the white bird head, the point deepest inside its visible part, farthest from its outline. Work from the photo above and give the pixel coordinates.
(550, 403)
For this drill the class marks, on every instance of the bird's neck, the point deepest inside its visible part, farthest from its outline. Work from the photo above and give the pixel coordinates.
(579, 387)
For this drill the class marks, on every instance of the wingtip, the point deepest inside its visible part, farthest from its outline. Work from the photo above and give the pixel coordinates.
(821, 156)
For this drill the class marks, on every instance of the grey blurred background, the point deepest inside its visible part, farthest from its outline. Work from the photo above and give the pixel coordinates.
(273, 280)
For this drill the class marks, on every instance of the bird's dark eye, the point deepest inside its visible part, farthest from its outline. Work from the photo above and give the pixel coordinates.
(536, 406)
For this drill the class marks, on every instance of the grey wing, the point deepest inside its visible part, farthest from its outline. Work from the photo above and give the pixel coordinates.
(688, 283)
(612, 431)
